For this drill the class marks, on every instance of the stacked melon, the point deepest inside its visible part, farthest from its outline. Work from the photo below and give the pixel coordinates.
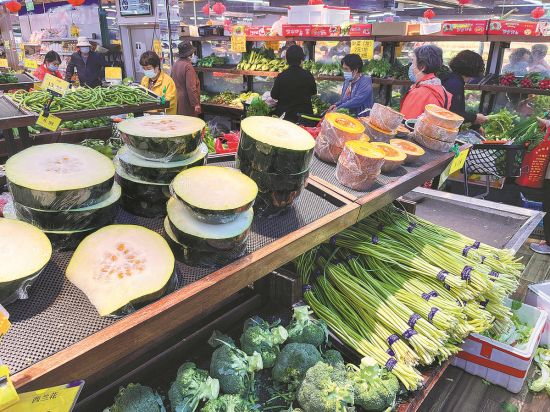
(210, 215)
(336, 130)
(157, 149)
(383, 123)
(359, 165)
(437, 128)
(63, 189)
(276, 154)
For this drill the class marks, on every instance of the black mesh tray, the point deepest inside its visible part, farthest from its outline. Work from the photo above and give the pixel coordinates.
(501, 160)
(58, 315)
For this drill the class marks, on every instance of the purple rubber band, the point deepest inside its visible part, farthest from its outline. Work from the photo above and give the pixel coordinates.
(429, 295)
(306, 288)
(493, 273)
(484, 303)
(390, 364)
(466, 273)
(442, 275)
(409, 333)
(413, 319)
(446, 286)
(483, 259)
(390, 352)
(476, 245)
(411, 227)
(332, 241)
(432, 313)
(381, 227)
(392, 339)
(374, 239)
(466, 250)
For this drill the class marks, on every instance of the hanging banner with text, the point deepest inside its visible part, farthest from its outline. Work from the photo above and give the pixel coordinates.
(364, 48)
(238, 40)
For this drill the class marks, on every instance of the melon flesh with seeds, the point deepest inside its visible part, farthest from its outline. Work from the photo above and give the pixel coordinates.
(121, 265)
(413, 151)
(24, 252)
(393, 156)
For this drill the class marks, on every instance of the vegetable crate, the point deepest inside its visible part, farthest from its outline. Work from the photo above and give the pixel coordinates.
(538, 295)
(499, 363)
(502, 160)
(533, 205)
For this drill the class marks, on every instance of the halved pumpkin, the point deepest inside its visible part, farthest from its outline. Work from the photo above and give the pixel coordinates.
(432, 144)
(385, 118)
(346, 126)
(359, 165)
(426, 128)
(393, 156)
(24, 252)
(121, 265)
(413, 151)
(336, 130)
(442, 117)
(376, 134)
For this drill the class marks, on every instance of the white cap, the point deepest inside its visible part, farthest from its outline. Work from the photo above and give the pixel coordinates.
(83, 42)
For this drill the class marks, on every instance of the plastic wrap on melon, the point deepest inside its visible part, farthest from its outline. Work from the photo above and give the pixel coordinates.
(424, 127)
(356, 171)
(432, 144)
(376, 134)
(385, 118)
(331, 141)
(142, 198)
(442, 117)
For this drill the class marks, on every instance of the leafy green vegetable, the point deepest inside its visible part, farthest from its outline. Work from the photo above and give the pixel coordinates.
(191, 386)
(542, 360)
(527, 133)
(258, 108)
(333, 357)
(499, 125)
(8, 78)
(137, 398)
(377, 68)
(107, 147)
(514, 332)
(228, 403)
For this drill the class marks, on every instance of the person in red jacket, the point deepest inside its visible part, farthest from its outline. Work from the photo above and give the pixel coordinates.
(49, 66)
(427, 88)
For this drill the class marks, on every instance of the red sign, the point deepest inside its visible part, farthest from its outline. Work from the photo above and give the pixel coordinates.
(297, 30)
(513, 28)
(325, 31)
(359, 30)
(257, 30)
(454, 27)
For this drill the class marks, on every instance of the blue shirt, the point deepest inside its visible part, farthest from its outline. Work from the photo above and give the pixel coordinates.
(360, 98)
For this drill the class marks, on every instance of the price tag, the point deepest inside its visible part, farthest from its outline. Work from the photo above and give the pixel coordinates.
(113, 73)
(4, 63)
(30, 64)
(8, 394)
(7, 44)
(157, 47)
(364, 48)
(60, 398)
(454, 166)
(55, 85)
(238, 40)
(49, 122)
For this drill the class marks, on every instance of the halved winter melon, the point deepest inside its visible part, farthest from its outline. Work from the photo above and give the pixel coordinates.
(432, 144)
(121, 265)
(393, 156)
(413, 151)
(274, 145)
(59, 176)
(359, 165)
(141, 198)
(169, 138)
(215, 194)
(100, 214)
(347, 126)
(155, 171)
(24, 252)
(442, 117)
(207, 237)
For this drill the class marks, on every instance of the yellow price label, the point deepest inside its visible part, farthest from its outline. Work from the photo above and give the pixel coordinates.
(364, 48)
(113, 73)
(60, 398)
(238, 40)
(30, 64)
(4, 63)
(50, 122)
(55, 85)
(157, 47)
(458, 162)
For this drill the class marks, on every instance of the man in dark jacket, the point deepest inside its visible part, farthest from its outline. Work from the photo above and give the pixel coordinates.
(89, 65)
(294, 87)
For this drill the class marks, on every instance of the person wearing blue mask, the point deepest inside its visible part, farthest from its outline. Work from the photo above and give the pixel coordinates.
(49, 66)
(89, 65)
(157, 81)
(357, 93)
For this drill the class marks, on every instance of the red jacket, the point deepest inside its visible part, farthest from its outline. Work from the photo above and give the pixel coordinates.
(423, 93)
(42, 71)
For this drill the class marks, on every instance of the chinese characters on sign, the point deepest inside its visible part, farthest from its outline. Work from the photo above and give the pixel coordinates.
(364, 48)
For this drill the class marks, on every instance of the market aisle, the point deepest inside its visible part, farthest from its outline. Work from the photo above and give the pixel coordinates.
(458, 391)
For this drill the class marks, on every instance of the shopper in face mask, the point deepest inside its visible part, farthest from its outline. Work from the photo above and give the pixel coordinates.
(187, 81)
(89, 65)
(157, 81)
(357, 90)
(49, 66)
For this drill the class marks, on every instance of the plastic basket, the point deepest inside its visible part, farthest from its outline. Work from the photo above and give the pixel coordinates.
(502, 160)
(533, 205)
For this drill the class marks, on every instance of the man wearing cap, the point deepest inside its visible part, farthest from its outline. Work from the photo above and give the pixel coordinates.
(89, 65)
(187, 81)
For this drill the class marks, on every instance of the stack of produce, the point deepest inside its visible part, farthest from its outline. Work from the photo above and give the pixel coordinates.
(211, 61)
(394, 157)
(336, 130)
(382, 124)
(262, 60)
(407, 292)
(359, 165)
(437, 128)
(210, 214)
(24, 252)
(531, 81)
(64, 189)
(411, 150)
(121, 266)
(8, 77)
(276, 154)
(323, 69)
(157, 149)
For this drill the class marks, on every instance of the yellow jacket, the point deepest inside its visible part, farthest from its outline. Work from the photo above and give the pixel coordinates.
(158, 87)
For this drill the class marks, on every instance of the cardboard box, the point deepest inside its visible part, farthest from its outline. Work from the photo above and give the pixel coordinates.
(462, 27)
(358, 30)
(512, 28)
(297, 30)
(413, 29)
(257, 30)
(389, 29)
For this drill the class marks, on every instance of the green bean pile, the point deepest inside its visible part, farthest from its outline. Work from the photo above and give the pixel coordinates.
(82, 98)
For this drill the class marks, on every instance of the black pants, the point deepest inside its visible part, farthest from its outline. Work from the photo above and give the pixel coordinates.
(546, 208)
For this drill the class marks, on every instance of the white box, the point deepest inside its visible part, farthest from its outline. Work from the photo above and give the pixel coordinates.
(430, 28)
(305, 14)
(539, 296)
(335, 16)
(497, 362)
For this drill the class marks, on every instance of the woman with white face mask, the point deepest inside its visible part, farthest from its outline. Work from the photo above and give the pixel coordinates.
(89, 65)
(357, 90)
(157, 81)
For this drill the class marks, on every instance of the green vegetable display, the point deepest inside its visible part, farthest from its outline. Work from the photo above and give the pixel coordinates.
(527, 133)
(8, 78)
(262, 60)
(192, 385)
(499, 125)
(303, 328)
(137, 398)
(323, 69)
(293, 362)
(258, 108)
(229, 403)
(511, 331)
(377, 68)
(210, 61)
(542, 360)
(259, 336)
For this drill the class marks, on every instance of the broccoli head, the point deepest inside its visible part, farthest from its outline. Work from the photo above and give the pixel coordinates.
(259, 336)
(305, 329)
(375, 388)
(137, 398)
(333, 357)
(293, 362)
(228, 403)
(232, 367)
(191, 386)
(326, 388)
